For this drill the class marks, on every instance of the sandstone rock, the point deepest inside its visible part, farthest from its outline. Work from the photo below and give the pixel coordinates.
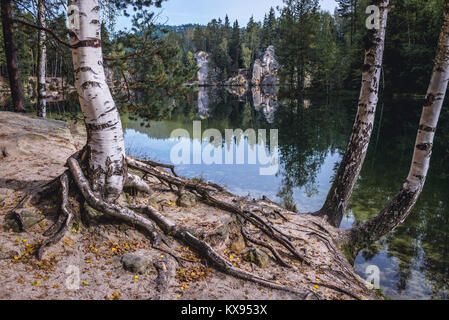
(30, 217)
(186, 200)
(134, 263)
(202, 59)
(256, 256)
(265, 71)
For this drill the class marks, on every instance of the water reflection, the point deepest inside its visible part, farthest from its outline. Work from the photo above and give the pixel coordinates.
(313, 133)
(414, 258)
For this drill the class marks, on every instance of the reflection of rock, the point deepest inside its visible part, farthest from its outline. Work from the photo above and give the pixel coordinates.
(203, 103)
(265, 71)
(240, 92)
(265, 98)
(202, 59)
(241, 79)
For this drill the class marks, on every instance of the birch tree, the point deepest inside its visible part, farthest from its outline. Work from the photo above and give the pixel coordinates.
(106, 150)
(42, 62)
(399, 208)
(340, 193)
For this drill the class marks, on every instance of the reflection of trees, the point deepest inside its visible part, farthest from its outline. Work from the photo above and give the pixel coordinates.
(422, 242)
(307, 133)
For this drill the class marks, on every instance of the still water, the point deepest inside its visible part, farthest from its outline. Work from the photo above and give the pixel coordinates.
(313, 133)
(312, 136)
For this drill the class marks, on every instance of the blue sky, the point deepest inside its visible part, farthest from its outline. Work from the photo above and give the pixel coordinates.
(177, 12)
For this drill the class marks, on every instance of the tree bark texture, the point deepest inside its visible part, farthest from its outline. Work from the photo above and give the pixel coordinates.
(340, 193)
(399, 208)
(42, 61)
(107, 165)
(11, 57)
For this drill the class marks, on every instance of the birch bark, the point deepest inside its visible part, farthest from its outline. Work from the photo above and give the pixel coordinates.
(340, 193)
(106, 162)
(42, 60)
(399, 208)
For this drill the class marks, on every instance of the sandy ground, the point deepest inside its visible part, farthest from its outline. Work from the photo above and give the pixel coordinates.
(86, 264)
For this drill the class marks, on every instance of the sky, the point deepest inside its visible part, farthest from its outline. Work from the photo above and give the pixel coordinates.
(178, 12)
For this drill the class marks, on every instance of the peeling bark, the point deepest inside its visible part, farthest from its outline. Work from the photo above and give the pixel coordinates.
(399, 208)
(107, 166)
(340, 193)
(11, 57)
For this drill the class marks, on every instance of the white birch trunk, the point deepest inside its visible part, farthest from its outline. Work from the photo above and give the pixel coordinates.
(42, 60)
(340, 193)
(107, 166)
(399, 208)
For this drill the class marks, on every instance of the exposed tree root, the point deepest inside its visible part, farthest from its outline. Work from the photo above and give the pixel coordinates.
(204, 190)
(265, 245)
(153, 222)
(66, 217)
(208, 253)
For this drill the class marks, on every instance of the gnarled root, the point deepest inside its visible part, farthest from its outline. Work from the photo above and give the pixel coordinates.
(209, 254)
(159, 226)
(58, 230)
(171, 229)
(204, 190)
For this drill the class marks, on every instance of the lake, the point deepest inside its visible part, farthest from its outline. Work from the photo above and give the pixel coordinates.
(312, 135)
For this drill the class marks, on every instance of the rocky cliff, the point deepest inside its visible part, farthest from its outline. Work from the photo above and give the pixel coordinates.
(265, 71)
(202, 59)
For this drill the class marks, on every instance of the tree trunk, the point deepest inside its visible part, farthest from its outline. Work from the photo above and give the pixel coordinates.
(399, 208)
(42, 59)
(340, 193)
(107, 166)
(11, 57)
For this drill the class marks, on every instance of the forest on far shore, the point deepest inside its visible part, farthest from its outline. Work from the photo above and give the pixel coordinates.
(327, 46)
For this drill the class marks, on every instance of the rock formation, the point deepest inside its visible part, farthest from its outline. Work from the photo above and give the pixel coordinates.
(202, 59)
(265, 71)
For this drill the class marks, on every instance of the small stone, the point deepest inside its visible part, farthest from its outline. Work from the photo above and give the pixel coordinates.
(237, 243)
(256, 256)
(186, 200)
(134, 263)
(30, 217)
